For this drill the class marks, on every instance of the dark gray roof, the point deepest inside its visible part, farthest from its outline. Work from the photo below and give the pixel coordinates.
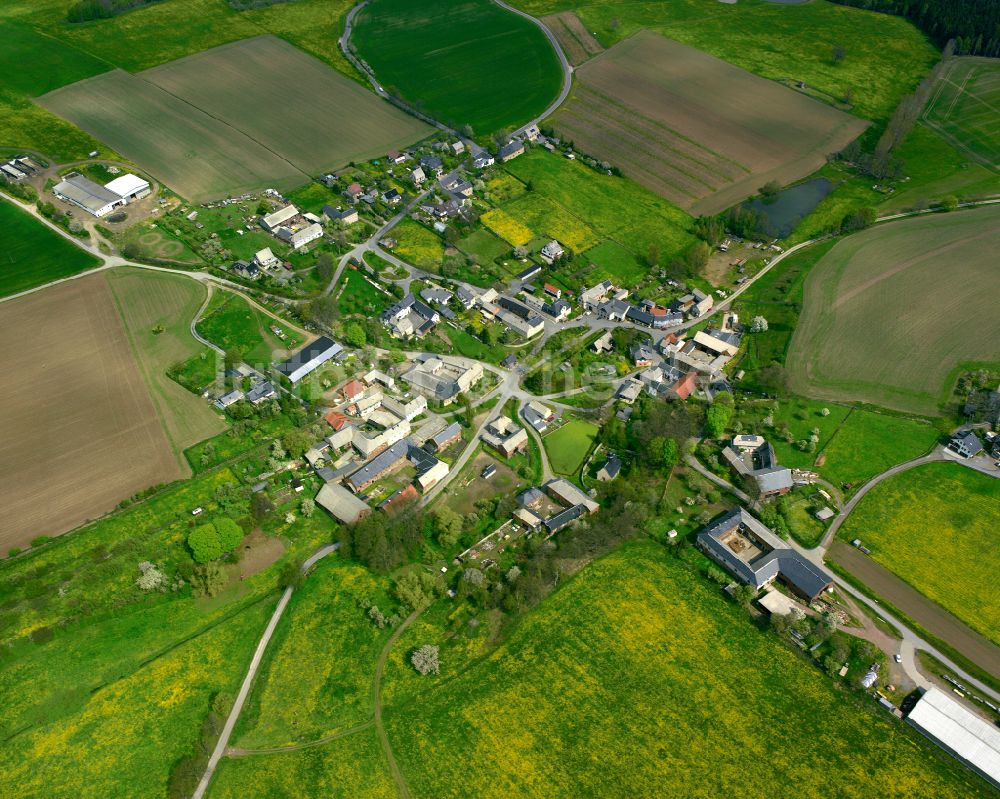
(612, 466)
(515, 307)
(450, 432)
(778, 559)
(567, 516)
(773, 478)
(379, 464)
(531, 271)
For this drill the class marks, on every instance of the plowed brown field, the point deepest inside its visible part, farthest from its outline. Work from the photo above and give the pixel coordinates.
(698, 131)
(78, 431)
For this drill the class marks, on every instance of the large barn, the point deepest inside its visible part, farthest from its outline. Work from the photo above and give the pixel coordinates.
(309, 358)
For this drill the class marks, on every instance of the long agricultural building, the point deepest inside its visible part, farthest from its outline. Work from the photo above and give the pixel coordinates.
(960, 732)
(309, 358)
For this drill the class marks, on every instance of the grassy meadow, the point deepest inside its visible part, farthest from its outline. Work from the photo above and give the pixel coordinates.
(317, 679)
(569, 445)
(639, 662)
(34, 254)
(938, 527)
(353, 767)
(465, 63)
(884, 57)
(233, 324)
(614, 208)
(963, 108)
(358, 296)
(157, 310)
(847, 347)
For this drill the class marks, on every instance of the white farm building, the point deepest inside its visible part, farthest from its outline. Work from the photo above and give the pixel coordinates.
(959, 731)
(99, 200)
(129, 187)
(309, 358)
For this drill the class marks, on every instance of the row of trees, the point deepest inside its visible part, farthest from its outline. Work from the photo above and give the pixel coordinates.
(87, 10)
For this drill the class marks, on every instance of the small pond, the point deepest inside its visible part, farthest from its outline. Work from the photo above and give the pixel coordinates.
(785, 209)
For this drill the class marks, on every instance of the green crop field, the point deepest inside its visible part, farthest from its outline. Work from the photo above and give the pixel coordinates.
(569, 445)
(615, 208)
(963, 108)
(34, 254)
(231, 323)
(938, 527)
(889, 313)
(157, 310)
(465, 63)
(885, 57)
(640, 660)
(196, 123)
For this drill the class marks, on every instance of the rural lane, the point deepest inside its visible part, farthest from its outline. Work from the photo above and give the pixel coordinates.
(258, 655)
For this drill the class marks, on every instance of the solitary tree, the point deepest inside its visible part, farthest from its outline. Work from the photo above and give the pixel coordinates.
(758, 325)
(203, 542)
(229, 532)
(838, 53)
(426, 659)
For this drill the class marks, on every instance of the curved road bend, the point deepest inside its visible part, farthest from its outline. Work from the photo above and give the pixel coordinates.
(258, 655)
(567, 68)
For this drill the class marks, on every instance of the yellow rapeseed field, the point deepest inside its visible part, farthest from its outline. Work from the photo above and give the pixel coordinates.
(506, 227)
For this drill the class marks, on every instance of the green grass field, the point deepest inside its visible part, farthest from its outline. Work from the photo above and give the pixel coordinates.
(157, 310)
(569, 445)
(465, 63)
(349, 768)
(318, 676)
(417, 245)
(615, 263)
(484, 245)
(640, 660)
(615, 208)
(35, 254)
(885, 57)
(963, 108)
(938, 527)
(879, 325)
(359, 296)
(549, 219)
(231, 323)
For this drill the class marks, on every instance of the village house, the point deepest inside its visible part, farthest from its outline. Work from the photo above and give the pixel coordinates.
(610, 469)
(483, 160)
(758, 461)
(505, 436)
(382, 464)
(347, 216)
(538, 415)
(551, 252)
(441, 379)
(604, 343)
(966, 444)
(444, 439)
(511, 150)
(409, 318)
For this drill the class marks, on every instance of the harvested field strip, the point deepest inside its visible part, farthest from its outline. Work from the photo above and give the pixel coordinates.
(929, 615)
(573, 36)
(157, 310)
(655, 107)
(191, 151)
(846, 347)
(640, 152)
(689, 148)
(198, 125)
(78, 431)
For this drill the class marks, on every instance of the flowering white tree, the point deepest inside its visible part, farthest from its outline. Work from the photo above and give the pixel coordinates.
(425, 660)
(758, 324)
(151, 578)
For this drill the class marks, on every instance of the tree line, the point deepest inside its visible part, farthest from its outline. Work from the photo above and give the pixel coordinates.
(973, 24)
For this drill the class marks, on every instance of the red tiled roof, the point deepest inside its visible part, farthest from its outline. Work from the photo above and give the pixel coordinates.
(336, 420)
(686, 385)
(352, 388)
(400, 498)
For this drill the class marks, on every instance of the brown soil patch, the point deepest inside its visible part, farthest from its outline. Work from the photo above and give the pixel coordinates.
(78, 431)
(574, 38)
(927, 614)
(257, 552)
(698, 131)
